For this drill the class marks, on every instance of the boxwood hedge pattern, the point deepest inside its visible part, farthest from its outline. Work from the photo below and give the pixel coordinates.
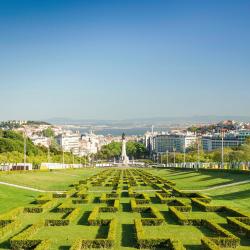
(145, 194)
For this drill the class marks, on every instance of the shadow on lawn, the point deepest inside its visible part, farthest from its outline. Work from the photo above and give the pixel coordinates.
(102, 232)
(169, 218)
(193, 247)
(5, 245)
(155, 200)
(179, 173)
(126, 207)
(64, 247)
(233, 196)
(128, 235)
(186, 176)
(243, 239)
(84, 219)
(96, 200)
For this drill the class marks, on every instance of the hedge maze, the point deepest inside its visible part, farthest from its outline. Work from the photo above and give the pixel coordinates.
(124, 209)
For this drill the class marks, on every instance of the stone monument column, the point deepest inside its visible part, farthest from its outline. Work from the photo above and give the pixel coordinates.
(124, 157)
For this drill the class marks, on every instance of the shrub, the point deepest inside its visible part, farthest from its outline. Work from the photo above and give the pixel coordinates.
(59, 195)
(152, 243)
(93, 219)
(44, 245)
(73, 215)
(225, 238)
(207, 244)
(156, 220)
(12, 214)
(33, 210)
(49, 204)
(8, 226)
(241, 224)
(21, 240)
(182, 219)
(52, 223)
(80, 201)
(98, 243)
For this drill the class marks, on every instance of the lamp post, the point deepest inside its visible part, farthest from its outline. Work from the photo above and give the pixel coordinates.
(174, 149)
(222, 149)
(73, 157)
(79, 155)
(184, 157)
(49, 142)
(24, 148)
(63, 157)
(167, 157)
(198, 153)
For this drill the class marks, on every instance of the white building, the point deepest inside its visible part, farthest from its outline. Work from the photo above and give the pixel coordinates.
(40, 140)
(148, 140)
(69, 142)
(231, 139)
(90, 143)
(173, 142)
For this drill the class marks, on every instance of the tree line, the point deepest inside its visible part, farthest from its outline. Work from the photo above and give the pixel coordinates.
(113, 150)
(12, 150)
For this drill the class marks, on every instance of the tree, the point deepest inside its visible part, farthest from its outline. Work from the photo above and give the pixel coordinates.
(113, 150)
(48, 132)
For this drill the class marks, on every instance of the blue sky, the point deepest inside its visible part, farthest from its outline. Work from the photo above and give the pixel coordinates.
(116, 59)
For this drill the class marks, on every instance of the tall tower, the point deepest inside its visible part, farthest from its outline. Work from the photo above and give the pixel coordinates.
(124, 157)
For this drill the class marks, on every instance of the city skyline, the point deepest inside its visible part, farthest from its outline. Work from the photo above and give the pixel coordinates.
(124, 60)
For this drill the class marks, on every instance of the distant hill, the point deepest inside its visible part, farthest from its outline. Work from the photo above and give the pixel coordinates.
(150, 120)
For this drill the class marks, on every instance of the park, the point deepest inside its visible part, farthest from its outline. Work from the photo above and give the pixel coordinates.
(125, 208)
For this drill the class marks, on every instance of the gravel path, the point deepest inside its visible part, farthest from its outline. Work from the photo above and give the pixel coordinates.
(28, 188)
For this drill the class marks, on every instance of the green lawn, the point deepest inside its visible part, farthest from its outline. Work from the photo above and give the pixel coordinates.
(48, 180)
(11, 197)
(188, 179)
(236, 196)
(62, 237)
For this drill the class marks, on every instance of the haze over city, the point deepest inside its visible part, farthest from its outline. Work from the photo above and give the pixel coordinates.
(124, 59)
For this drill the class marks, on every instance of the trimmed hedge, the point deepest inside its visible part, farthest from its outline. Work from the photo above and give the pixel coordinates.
(136, 208)
(182, 219)
(44, 245)
(93, 219)
(98, 243)
(112, 209)
(202, 204)
(12, 214)
(208, 244)
(73, 215)
(241, 224)
(33, 210)
(65, 207)
(8, 226)
(142, 198)
(52, 223)
(21, 240)
(225, 238)
(64, 222)
(80, 201)
(50, 204)
(157, 219)
(59, 195)
(144, 241)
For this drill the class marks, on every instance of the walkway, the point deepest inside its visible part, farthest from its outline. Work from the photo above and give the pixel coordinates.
(28, 188)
